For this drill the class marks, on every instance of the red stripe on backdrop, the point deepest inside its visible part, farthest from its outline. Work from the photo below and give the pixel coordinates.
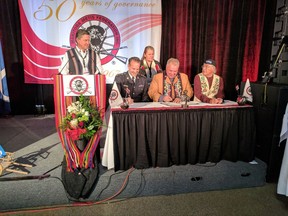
(37, 55)
(129, 25)
(135, 24)
(39, 58)
(37, 42)
(140, 27)
(132, 18)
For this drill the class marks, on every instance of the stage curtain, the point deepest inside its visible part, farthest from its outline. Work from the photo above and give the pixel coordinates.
(229, 31)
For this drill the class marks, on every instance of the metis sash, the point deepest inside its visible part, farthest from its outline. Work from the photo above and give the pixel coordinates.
(74, 157)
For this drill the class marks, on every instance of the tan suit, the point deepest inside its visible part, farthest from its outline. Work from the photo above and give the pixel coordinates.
(156, 87)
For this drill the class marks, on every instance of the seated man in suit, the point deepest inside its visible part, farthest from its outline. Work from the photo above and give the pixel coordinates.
(132, 85)
(170, 85)
(208, 87)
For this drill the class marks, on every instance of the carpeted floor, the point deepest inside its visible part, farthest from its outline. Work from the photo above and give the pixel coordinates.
(35, 141)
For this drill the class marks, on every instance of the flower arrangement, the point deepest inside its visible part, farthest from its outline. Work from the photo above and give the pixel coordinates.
(82, 120)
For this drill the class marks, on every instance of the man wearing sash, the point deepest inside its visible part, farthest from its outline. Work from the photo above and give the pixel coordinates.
(208, 87)
(80, 164)
(170, 85)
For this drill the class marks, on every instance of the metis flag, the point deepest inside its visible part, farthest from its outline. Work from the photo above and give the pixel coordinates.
(4, 96)
(247, 91)
(115, 98)
(2, 152)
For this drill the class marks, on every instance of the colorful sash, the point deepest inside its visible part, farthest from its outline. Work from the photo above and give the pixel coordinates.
(174, 90)
(74, 158)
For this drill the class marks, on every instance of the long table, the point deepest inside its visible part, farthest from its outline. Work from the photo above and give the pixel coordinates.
(164, 134)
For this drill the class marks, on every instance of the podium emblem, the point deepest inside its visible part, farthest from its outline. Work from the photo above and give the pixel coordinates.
(75, 85)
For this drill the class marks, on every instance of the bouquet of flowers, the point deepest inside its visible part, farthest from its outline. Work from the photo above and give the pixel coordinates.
(82, 120)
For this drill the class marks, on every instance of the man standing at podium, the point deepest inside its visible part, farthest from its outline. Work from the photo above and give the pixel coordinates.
(81, 59)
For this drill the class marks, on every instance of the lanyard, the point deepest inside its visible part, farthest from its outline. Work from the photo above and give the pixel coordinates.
(83, 58)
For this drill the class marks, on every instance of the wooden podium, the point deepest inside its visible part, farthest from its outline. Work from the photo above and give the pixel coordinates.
(80, 166)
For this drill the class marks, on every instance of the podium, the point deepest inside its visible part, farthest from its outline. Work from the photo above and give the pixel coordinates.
(80, 166)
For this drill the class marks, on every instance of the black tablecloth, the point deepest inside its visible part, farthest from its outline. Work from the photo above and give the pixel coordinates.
(161, 138)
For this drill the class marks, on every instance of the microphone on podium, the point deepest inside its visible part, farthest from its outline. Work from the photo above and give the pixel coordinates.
(97, 70)
(59, 73)
(65, 65)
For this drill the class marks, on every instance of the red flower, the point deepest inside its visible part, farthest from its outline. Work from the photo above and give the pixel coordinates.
(75, 134)
(73, 115)
(81, 124)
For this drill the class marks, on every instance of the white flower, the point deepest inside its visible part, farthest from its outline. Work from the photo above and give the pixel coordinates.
(86, 113)
(74, 107)
(74, 123)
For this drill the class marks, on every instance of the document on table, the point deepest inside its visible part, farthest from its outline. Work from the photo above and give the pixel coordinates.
(172, 104)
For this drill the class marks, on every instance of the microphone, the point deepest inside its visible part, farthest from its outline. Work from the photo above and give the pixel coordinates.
(97, 69)
(65, 64)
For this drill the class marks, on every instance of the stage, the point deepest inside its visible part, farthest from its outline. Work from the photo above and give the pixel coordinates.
(35, 141)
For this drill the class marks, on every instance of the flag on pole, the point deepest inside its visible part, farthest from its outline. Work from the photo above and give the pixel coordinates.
(247, 91)
(2, 152)
(4, 96)
(115, 98)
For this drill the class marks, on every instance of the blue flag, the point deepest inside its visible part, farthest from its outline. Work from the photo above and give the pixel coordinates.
(4, 96)
(2, 152)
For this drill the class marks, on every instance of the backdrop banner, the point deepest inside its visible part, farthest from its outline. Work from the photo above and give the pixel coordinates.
(119, 30)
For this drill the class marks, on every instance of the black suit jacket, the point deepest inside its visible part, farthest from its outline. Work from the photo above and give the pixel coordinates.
(138, 91)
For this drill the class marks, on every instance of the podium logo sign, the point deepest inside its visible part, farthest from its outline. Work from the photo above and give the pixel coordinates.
(75, 85)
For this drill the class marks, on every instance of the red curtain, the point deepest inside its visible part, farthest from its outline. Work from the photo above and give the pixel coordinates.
(229, 31)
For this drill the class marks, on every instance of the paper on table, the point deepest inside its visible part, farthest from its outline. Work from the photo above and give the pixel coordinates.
(225, 103)
(146, 105)
(172, 104)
